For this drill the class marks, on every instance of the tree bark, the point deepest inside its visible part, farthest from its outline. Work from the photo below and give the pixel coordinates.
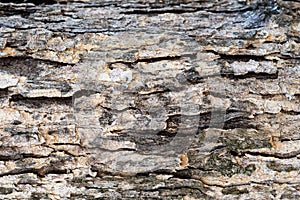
(149, 99)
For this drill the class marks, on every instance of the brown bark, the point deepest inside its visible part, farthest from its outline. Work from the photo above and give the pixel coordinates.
(149, 99)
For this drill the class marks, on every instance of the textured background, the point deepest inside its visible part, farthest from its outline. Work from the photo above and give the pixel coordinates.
(149, 99)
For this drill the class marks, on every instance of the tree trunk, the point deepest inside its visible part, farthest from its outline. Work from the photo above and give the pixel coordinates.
(149, 99)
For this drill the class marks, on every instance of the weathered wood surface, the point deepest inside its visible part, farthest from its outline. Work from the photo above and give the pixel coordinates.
(149, 99)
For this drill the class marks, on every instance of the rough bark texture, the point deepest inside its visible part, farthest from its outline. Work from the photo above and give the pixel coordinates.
(149, 99)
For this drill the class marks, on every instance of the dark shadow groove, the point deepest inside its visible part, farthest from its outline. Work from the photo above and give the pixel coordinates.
(260, 75)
